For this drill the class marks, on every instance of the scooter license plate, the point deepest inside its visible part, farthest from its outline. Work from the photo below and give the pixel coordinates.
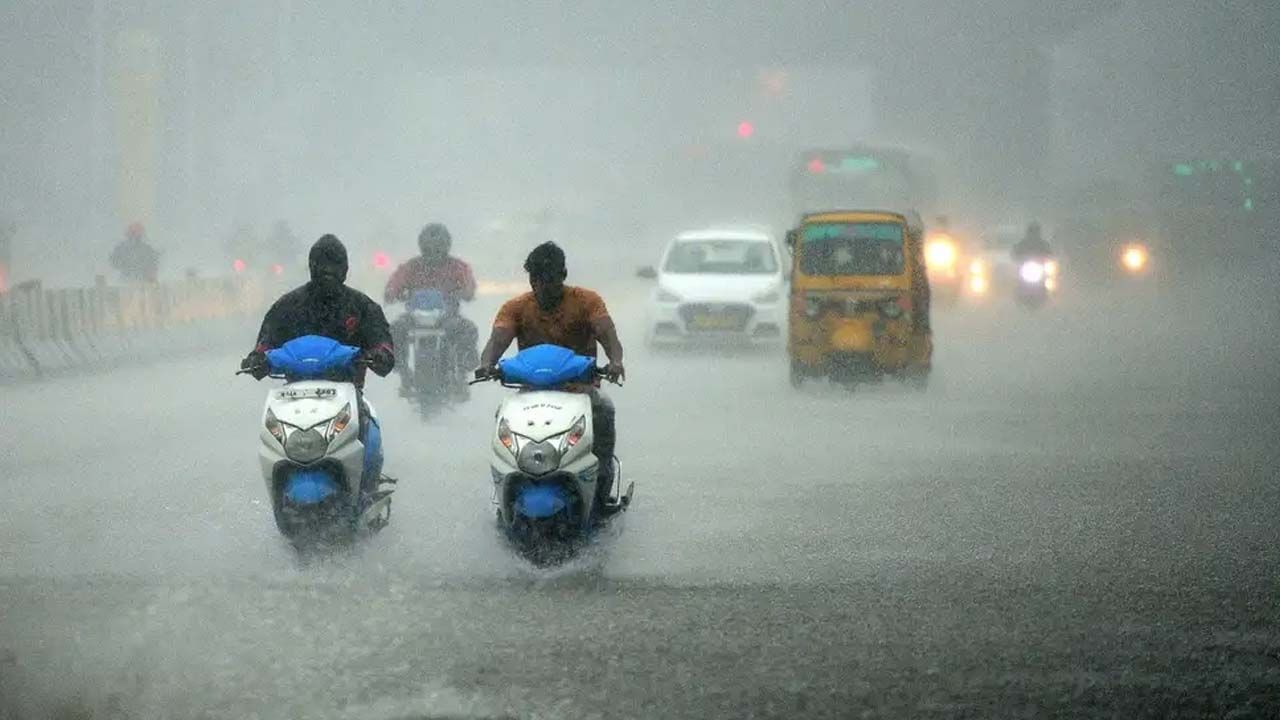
(302, 393)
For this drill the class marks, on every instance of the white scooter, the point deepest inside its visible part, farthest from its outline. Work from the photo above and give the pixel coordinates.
(543, 466)
(323, 471)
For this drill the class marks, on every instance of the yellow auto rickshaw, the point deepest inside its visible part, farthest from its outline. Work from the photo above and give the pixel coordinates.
(859, 298)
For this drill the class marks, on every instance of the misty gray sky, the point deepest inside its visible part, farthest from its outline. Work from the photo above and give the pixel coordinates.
(368, 119)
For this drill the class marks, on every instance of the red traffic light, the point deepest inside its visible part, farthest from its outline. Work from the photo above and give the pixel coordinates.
(381, 260)
(816, 166)
(238, 265)
(746, 129)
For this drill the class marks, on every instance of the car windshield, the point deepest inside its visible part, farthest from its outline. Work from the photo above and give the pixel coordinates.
(874, 248)
(721, 257)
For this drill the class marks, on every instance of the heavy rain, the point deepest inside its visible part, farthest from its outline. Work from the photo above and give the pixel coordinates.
(945, 359)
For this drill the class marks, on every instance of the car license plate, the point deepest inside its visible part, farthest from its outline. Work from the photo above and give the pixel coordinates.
(713, 321)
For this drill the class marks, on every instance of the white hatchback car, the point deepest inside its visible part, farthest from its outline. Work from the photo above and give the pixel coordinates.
(718, 285)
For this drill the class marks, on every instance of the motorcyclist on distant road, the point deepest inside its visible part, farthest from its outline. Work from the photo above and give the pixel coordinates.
(436, 269)
(1032, 245)
(571, 317)
(134, 258)
(325, 306)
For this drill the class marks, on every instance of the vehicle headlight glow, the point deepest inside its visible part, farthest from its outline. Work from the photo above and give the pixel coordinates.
(1134, 257)
(940, 254)
(1051, 268)
(977, 267)
(1031, 271)
(666, 296)
(978, 284)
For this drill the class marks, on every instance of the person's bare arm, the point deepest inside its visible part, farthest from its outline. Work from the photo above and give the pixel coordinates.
(499, 340)
(608, 334)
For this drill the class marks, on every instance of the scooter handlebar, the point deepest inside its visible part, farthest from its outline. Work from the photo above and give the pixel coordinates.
(495, 375)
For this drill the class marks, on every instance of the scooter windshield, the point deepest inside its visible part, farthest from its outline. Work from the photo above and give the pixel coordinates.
(426, 300)
(545, 366)
(312, 357)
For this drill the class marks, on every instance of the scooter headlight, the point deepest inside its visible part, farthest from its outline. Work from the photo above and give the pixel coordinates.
(538, 458)
(305, 446)
(1031, 272)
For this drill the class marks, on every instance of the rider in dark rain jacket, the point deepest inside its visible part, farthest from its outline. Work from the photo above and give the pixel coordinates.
(327, 307)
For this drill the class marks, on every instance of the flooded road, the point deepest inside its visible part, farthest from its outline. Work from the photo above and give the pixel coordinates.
(1077, 517)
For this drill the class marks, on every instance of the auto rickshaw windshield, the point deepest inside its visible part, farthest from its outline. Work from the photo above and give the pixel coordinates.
(861, 248)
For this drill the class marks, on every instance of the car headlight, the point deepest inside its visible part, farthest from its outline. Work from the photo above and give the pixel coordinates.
(1051, 268)
(666, 296)
(768, 297)
(1031, 272)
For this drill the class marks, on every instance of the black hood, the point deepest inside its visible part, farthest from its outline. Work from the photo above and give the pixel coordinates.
(328, 261)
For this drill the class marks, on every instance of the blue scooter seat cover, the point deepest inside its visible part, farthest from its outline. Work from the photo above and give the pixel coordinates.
(309, 487)
(546, 366)
(540, 501)
(310, 357)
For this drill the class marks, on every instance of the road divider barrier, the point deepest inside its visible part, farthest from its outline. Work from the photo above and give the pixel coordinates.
(45, 331)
